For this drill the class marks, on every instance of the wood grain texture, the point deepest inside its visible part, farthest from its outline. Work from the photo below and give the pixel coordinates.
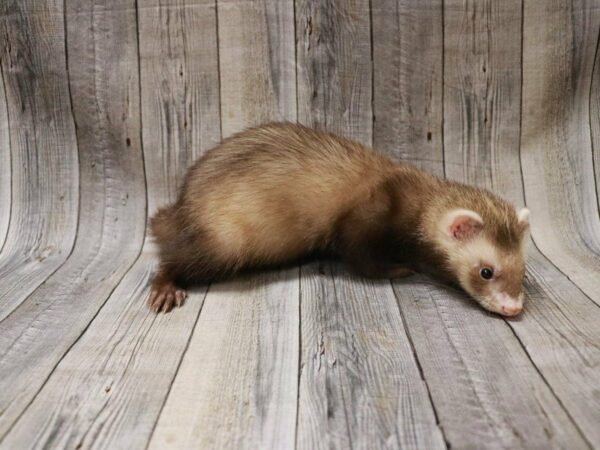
(103, 78)
(407, 81)
(256, 54)
(246, 343)
(482, 84)
(360, 386)
(236, 387)
(43, 148)
(109, 389)
(485, 390)
(180, 90)
(556, 138)
(334, 67)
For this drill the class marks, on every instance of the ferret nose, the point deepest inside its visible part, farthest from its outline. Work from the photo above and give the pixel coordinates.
(510, 306)
(511, 310)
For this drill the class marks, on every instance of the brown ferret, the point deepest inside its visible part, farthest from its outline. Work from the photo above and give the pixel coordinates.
(280, 192)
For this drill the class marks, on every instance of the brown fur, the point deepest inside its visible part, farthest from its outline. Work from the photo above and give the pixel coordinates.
(279, 192)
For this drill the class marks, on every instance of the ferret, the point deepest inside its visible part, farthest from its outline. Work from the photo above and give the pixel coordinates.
(281, 192)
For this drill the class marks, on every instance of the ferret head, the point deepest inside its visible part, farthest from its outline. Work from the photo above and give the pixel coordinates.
(484, 251)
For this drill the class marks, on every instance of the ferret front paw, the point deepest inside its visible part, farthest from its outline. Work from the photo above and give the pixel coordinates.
(164, 296)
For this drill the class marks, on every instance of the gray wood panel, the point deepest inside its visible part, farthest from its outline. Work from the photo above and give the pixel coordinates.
(109, 389)
(43, 148)
(556, 145)
(246, 342)
(180, 90)
(407, 81)
(360, 386)
(482, 85)
(256, 56)
(334, 67)
(37, 334)
(359, 383)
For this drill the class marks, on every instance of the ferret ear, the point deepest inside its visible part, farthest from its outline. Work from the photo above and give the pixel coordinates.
(462, 224)
(523, 216)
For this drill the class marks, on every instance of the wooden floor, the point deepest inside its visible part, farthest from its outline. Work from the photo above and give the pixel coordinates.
(103, 105)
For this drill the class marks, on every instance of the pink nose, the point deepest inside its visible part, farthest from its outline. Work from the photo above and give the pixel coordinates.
(508, 305)
(511, 310)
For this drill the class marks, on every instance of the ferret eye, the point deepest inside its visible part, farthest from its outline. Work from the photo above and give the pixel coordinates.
(486, 273)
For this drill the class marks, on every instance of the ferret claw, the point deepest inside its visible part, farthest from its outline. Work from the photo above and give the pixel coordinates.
(164, 297)
(180, 296)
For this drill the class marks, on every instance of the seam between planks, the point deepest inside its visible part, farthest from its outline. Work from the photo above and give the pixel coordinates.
(299, 348)
(590, 121)
(141, 122)
(296, 66)
(10, 161)
(443, 93)
(298, 390)
(418, 362)
(344, 404)
(218, 66)
(373, 117)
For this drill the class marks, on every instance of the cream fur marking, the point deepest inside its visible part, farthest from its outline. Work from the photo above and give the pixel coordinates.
(523, 215)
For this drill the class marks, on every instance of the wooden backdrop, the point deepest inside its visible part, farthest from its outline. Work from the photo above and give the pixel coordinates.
(103, 105)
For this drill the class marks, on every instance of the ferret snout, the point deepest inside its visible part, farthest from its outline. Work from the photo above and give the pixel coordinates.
(508, 306)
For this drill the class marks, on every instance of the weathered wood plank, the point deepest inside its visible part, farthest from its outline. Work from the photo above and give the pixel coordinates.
(482, 131)
(43, 148)
(482, 82)
(107, 392)
(359, 384)
(245, 345)
(180, 75)
(334, 67)
(101, 44)
(236, 387)
(5, 164)
(407, 81)
(556, 143)
(256, 53)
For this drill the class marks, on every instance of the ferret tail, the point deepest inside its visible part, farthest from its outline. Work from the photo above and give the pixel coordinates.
(163, 225)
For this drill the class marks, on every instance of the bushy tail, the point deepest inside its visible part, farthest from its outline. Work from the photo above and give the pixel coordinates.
(163, 225)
